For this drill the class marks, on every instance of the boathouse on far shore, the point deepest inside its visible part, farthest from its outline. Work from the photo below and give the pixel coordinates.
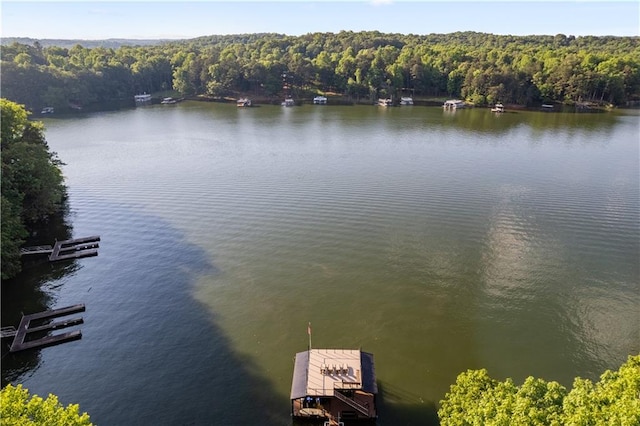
(334, 385)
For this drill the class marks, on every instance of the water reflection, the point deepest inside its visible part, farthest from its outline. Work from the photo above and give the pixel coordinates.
(434, 245)
(482, 120)
(507, 260)
(399, 406)
(32, 291)
(525, 296)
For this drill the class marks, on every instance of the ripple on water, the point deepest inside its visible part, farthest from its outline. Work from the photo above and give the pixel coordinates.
(458, 244)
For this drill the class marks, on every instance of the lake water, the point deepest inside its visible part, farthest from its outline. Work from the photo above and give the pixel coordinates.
(438, 241)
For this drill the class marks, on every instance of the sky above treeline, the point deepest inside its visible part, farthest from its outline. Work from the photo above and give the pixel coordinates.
(94, 20)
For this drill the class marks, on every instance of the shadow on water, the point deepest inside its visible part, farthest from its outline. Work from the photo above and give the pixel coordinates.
(393, 412)
(150, 353)
(29, 291)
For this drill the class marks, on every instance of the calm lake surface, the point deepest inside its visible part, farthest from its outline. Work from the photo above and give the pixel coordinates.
(437, 241)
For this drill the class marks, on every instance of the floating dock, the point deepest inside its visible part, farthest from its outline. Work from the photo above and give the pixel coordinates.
(67, 249)
(25, 328)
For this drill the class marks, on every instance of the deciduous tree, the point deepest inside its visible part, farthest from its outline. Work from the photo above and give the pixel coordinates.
(32, 183)
(19, 408)
(478, 399)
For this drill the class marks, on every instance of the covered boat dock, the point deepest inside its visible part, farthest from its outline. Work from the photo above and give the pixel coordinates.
(334, 385)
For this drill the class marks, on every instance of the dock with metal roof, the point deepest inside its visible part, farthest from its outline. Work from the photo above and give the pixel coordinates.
(334, 384)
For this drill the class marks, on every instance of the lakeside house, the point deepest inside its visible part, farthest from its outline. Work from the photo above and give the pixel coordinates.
(334, 384)
(454, 104)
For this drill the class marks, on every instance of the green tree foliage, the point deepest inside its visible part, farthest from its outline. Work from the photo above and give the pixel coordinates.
(13, 234)
(477, 399)
(32, 183)
(483, 68)
(614, 400)
(19, 408)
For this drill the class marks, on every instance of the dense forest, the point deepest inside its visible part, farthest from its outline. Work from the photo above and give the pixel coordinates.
(478, 67)
(32, 182)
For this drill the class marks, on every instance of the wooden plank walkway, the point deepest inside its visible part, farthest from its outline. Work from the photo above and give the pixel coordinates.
(25, 328)
(9, 331)
(35, 250)
(66, 249)
(75, 248)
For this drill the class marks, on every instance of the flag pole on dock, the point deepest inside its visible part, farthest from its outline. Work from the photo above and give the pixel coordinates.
(309, 333)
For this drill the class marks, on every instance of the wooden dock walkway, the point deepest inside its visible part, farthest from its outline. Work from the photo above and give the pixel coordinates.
(36, 250)
(9, 331)
(67, 249)
(75, 248)
(24, 329)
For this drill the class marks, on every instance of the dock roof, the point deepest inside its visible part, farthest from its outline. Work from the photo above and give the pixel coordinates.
(317, 372)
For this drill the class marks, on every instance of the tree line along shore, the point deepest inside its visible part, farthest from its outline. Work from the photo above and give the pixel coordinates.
(33, 187)
(357, 67)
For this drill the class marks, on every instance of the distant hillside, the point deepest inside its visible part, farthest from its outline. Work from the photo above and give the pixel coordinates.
(113, 43)
(482, 69)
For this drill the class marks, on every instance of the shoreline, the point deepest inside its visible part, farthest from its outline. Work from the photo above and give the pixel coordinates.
(586, 107)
